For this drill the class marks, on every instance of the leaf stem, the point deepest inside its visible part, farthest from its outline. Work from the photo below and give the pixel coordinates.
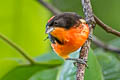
(17, 48)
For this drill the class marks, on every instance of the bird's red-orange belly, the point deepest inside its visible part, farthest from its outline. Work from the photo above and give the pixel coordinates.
(73, 39)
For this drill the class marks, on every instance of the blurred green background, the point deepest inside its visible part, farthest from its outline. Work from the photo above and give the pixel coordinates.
(23, 22)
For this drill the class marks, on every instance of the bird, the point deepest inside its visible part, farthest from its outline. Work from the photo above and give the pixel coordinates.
(67, 32)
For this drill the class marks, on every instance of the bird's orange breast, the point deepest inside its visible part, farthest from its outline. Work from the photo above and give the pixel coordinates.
(72, 39)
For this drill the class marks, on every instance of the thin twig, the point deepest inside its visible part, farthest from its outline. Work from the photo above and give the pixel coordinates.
(106, 27)
(50, 7)
(13, 45)
(87, 9)
(104, 46)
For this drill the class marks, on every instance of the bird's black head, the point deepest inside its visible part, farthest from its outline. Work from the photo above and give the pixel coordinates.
(65, 20)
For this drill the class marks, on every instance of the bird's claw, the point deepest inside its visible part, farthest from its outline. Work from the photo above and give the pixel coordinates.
(81, 61)
(78, 61)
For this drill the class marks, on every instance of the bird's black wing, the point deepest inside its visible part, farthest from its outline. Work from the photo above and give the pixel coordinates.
(54, 39)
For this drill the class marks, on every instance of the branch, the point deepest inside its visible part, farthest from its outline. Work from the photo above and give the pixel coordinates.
(87, 9)
(104, 46)
(106, 27)
(97, 42)
(84, 51)
(24, 54)
(50, 7)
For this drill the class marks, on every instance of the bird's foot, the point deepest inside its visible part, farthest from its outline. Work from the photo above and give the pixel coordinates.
(78, 61)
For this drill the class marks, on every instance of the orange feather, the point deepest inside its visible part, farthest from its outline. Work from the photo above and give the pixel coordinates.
(72, 38)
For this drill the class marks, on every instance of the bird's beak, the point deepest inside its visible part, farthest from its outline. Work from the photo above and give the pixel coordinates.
(49, 29)
(82, 21)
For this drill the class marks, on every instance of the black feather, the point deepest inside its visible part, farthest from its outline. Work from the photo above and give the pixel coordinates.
(54, 39)
(65, 20)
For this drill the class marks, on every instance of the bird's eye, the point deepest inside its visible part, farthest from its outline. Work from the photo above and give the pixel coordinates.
(55, 22)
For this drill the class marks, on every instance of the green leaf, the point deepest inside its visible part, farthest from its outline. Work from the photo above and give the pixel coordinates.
(110, 65)
(46, 64)
(25, 72)
(92, 73)
(49, 74)
(50, 57)
(6, 65)
(109, 61)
